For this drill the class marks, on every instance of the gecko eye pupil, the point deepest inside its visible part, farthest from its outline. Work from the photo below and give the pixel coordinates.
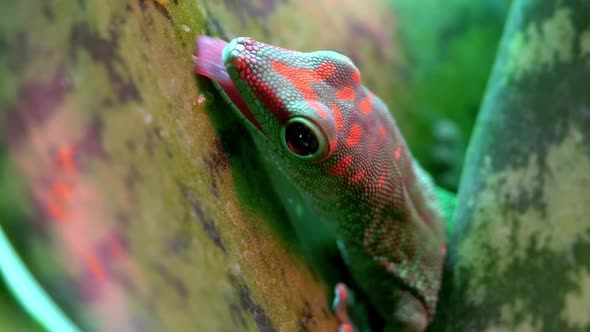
(301, 139)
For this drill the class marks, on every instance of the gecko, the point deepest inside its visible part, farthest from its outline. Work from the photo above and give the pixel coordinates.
(338, 143)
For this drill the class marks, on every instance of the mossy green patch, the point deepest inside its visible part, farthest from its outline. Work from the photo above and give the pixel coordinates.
(576, 301)
(510, 238)
(541, 45)
(523, 220)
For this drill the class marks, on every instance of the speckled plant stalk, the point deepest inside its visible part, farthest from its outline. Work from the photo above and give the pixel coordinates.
(520, 257)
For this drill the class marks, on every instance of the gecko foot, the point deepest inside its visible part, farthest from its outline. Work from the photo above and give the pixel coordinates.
(341, 299)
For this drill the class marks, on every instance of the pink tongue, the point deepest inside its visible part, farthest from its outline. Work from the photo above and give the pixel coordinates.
(208, 62)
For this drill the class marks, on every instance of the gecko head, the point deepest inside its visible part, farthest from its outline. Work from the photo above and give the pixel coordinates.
(290, 96)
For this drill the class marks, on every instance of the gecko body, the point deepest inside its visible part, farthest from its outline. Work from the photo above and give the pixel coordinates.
(341, 147)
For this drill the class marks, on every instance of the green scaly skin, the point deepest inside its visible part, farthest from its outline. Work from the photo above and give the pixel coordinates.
(338, 144)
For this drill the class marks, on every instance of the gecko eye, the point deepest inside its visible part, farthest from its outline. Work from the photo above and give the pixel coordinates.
(304, 139)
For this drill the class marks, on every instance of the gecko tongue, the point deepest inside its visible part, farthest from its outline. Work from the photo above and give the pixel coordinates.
(209, 63)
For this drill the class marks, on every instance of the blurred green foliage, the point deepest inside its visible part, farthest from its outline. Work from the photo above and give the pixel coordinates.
(447, 64)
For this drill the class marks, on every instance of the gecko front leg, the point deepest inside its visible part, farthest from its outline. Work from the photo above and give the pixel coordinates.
(341, 299)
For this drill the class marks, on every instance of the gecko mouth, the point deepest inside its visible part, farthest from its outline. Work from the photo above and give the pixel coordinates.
(208, 62)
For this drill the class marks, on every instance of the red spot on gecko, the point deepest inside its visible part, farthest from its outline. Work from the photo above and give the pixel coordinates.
(325, 70)
(346, 93)
(337, 114)
(365, 105)
(381, 180)
(238, 63)
(356, 76)
(302, 78)
(398, 152)
(354, 136)
(340, 167)
(359, 176)
(443, 249)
